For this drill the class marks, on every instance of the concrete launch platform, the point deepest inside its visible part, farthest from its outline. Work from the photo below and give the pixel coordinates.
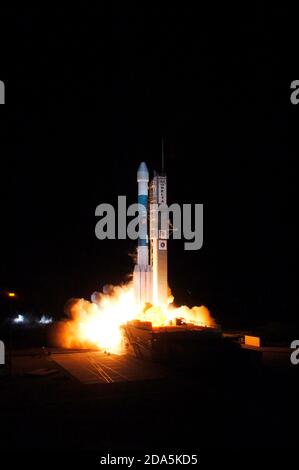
(98, 367)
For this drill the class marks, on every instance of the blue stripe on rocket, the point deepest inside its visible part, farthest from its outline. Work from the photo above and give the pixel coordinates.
(142, 200)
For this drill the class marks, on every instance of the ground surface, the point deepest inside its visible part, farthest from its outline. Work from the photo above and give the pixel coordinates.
(95, 401)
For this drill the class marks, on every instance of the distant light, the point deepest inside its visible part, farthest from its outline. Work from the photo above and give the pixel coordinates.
(45, 320)
(19, 319)
(11, 294)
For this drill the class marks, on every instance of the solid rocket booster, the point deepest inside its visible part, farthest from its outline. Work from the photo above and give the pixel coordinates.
(142, 270)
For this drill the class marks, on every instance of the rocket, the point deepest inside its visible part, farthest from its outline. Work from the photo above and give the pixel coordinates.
(143, 271)
(150, 272)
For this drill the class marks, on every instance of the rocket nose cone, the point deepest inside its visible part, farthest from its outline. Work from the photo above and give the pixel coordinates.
(142, 172)
(142, 168)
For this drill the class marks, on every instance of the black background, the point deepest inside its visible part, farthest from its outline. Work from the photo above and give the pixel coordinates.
(89, 95)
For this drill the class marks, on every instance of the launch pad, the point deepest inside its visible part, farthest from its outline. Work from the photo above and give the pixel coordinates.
(184, 343)
(98, 367)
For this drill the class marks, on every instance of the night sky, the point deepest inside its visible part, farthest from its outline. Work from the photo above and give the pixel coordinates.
(89, 95)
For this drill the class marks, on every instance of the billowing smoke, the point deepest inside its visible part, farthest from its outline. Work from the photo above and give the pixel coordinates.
(96, 324)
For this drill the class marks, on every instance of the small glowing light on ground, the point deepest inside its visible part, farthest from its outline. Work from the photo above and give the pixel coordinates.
(11, 294)
(19, 319)
(45, 320)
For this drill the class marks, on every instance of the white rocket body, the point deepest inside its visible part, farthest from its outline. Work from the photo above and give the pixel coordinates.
(143, 271)
(150, 277)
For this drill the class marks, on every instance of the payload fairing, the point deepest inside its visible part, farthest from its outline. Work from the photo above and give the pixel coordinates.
(150, 272)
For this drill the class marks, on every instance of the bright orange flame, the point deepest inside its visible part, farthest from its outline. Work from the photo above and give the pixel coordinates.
(98, 324)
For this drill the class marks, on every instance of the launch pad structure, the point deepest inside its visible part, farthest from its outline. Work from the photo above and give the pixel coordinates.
(179, 343)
